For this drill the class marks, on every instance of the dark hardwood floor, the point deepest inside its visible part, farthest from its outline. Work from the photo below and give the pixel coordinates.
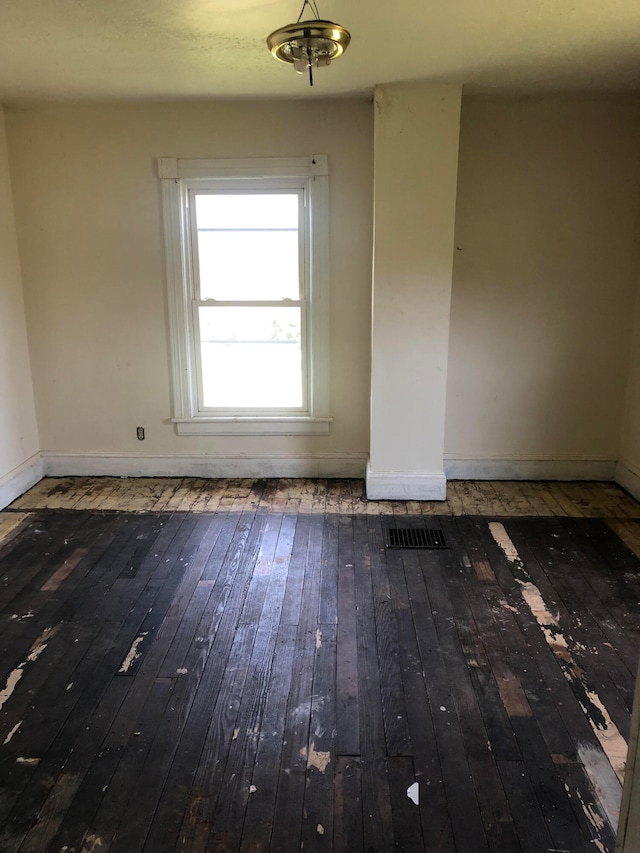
(264, 679)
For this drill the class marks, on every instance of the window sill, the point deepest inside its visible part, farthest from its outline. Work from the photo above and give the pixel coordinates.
(256, 425)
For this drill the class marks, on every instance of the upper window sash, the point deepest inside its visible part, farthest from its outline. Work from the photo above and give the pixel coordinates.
(293, 187)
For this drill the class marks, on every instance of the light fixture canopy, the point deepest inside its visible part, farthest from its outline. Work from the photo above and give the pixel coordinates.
(309, 44)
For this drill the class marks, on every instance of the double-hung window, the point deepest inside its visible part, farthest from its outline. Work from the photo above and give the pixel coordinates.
(247, 270)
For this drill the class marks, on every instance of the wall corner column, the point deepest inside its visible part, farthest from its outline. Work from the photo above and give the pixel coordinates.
(416, 136)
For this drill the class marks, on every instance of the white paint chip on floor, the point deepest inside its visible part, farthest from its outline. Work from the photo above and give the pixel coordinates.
(12, 732)
(133, 654)
(413, 792)
(39, 645)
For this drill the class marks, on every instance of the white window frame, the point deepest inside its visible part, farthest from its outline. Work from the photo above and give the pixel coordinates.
(177, 178)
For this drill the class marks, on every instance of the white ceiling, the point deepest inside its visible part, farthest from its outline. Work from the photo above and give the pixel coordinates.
(114, 49)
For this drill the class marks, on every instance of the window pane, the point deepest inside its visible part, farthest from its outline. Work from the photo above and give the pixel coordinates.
(251, 357)
(252, 265)
(248, 246)
(243, 210)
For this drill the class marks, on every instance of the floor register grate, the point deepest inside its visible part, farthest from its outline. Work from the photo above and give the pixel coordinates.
(399, 537)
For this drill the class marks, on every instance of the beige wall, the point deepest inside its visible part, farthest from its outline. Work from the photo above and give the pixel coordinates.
(629, 469)
(545, 270)
(89, 224)
(546, 264)
(18, 431)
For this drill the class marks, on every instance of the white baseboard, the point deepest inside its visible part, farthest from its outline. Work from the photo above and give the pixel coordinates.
(529, 469)
(628, 476)
(402, 486)
(339, 465)
(17, 481)
(381, 485)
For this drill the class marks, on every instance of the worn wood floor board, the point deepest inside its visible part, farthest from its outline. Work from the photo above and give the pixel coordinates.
(600, 543)
(31, 558)
(628, 531)
(596, 831)
(297, 566)
(329, 579)
(613, 596)
(484, 644)
(286, 828)
(321, 749)
(436, 822)
(178, 629)
(10, 524)
(79, 694)
(583, 617)
(288, 812)
(269, 675)
(581, 717)
(448, 589)
(533, 833)
(407, 826)
(271, 568)
(189, 735)
(485, 498)
(200, 677)
(154, 649)
(347, 821)
(347, 722)
(56, 776)
(258, 823)
(434, 628)
(31, 611)
(111, 779)
(515, 674)
(540, 495)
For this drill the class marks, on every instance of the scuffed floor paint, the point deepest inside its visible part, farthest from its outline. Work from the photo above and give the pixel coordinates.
(593, 817)
(612, 742)
(316, 758)
(605, 782)
(133, 654)
(28, 615)
(12, 732)
(34, 653)
(12, 682)
(92, 844)
(41, 643)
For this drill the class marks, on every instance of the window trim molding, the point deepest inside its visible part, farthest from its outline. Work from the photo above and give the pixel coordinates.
(175, 177)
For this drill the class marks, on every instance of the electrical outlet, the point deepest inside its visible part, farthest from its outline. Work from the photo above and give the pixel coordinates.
(140, 433)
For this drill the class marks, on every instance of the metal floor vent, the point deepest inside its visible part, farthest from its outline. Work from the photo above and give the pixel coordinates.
(399, 537)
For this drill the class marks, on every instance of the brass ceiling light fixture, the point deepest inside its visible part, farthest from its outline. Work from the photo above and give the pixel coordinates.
(309, 44)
